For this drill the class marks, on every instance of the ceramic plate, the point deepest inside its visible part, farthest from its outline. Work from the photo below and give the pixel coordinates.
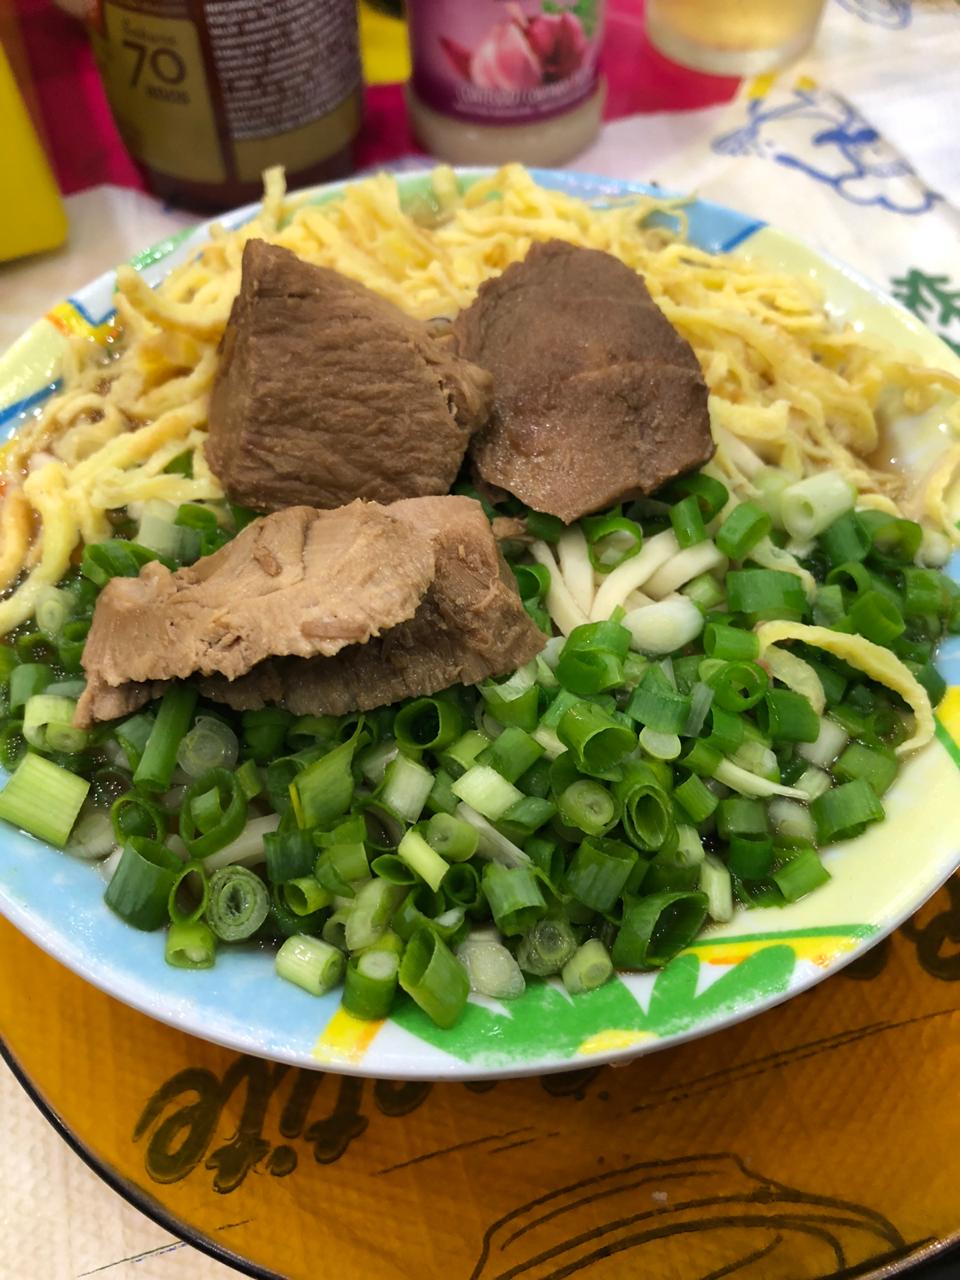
(759, 959)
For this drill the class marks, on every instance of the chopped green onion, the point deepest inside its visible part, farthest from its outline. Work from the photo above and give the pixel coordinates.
(264, 732)
(92, 834)
(526, 816)
(873, 615)
(114, 558)
(43, 799)
(687, 520)
(830, 740)
(646, 808)
(491, 968)
(742, 530)
(213, 813)
(727, 730)
(305, 896)
(514, 897)
(48, 724)
(931, 679)
(801, 875)
(592, 658)
(428, 724)
(370, 913)
(546, 528)
(451, 837)
(857, 761)
(716, 885)
(588, 968)
(210, 744)
(598, 872)
(598, 741)
(750, 857)
(846, 811)
(190, 944)
(588, 806)
(656, 704)
(486, 791)
(406, 786)
(515, 701)
(370, 984)
(662, 746)
(785, 716)
(512, 753)
(463, 753)
(188, 895)
(546, 947)
(139, 891)
(845, 539)
(791, 820)
(436, 980)
(462, 887)
(310, 963)
(656, 928)
(697, 799)
(611, 540)
(159, 758)
(54, 607)
(421, 858)
(732, 644)
(764, 594)
(323, 790)
(895, 541)
(737, 816)
(26, 681)
(289, 854)
(712, 494)
(493, 844)
(738, 686)
(812, 504)
(238, 903)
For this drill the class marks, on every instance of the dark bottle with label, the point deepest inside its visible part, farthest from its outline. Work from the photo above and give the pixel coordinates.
(209, 93)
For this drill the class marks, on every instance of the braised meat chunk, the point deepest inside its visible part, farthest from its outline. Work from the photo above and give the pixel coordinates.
(327, 392)
(470, 625)
(300, 581)
(597, 398)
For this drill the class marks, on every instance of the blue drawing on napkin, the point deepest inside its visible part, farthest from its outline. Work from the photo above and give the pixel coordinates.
(823, 136)
(892, 14)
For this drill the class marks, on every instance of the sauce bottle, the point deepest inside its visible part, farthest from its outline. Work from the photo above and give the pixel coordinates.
(501, 80)
(208, 93)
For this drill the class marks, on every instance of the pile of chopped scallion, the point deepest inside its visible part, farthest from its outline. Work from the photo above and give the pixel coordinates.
(649, 771)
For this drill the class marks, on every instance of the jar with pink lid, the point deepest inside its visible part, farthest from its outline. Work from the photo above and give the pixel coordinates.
(501, 80)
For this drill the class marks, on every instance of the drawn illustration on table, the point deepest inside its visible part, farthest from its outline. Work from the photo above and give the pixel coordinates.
(748, 1221)
(818, 133)
(934, 299)
(892, 14)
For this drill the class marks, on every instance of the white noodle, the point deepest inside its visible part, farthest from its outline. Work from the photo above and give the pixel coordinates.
(576, 567)
(561, 606)
(633, 574)
(683, 568)
(664, 626)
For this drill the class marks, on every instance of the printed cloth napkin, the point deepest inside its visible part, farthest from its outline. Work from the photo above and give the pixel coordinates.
(853, 149)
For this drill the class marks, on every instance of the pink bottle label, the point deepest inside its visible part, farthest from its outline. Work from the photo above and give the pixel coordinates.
(504, 61)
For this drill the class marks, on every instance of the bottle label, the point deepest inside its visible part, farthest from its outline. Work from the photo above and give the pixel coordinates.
(505, 61)
(215, 90)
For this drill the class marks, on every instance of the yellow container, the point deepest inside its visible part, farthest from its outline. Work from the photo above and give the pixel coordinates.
(32, 217)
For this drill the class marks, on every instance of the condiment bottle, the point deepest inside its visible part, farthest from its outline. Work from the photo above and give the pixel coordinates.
(208, 93)
(501, 80)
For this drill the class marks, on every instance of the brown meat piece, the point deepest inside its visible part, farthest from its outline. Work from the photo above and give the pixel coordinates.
(300, 581)
(469, 626)
(327, 392)
(597, 397)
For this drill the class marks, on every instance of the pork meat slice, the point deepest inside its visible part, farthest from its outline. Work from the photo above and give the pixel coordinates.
(597, 398)
(300, 581)
(327, 392)
(470, 625)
